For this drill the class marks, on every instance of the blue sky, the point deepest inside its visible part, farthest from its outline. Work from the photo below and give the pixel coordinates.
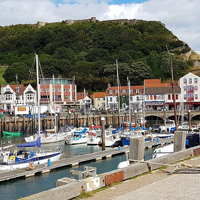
(179, 16)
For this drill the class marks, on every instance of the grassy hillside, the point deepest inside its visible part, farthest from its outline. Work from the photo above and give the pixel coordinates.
(2, 71)
(89, 51)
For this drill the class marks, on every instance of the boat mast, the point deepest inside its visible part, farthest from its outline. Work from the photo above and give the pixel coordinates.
(129, 99)
(54, 98)
(173, 90)
(144, 104)
(118, 93)
(38, 91)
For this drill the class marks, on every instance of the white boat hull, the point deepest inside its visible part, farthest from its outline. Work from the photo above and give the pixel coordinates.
(73, 141)
(13, 166)
(94, 141)
(163, 151)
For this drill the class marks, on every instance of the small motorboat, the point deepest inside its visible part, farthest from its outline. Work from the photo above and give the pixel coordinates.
(6, 133)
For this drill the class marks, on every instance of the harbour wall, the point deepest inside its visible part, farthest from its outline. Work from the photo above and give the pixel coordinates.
(28, 125)
(69, 188)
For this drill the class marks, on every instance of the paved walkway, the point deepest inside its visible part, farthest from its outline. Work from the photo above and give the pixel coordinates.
(157, 185)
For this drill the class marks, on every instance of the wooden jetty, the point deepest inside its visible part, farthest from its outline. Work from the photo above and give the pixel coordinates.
(74, 161)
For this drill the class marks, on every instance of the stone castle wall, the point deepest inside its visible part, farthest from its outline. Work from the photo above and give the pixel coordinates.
(94, 20)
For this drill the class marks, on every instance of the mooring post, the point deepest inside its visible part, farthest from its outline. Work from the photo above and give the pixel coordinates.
(1, 126)
(103, 132)
(136, 149)
(179, 140)
(69, 117)
(23, 124)
(136, 118)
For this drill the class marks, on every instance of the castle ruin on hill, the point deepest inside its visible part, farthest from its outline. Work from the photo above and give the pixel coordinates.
(94, 20)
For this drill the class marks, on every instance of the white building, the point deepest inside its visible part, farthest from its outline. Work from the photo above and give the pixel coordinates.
(136, 97)
(158, 98)
(12, 95)
(190, 91)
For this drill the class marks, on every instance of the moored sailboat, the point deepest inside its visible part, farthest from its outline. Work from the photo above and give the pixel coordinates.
(22, 158)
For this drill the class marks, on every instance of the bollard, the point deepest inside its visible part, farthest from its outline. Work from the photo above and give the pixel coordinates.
(157, 140)
(103, 133)
(179, 140)
(49, 163)
(136, 149)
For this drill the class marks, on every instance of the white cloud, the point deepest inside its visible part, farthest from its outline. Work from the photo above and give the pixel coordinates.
(181, 17)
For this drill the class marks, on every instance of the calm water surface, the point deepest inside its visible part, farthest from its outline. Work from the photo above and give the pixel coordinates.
(19, 188)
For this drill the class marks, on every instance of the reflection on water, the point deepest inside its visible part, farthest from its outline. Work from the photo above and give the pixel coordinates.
(19, 188)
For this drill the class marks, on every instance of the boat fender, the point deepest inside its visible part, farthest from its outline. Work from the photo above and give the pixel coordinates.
(12, 158)
(31, 165)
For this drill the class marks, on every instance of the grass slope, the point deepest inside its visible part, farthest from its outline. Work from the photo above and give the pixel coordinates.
(2, 70)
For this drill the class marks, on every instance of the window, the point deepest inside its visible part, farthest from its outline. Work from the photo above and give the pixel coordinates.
(138, 98)
(68, 90)
(110, 99)
(196, 96)
(41, 90)
(53, 89)
(184, 80)
(30, 96)
(137, 91)
(184, 87)
(147, 97)
(190, 80)
(59, 89)
(195, 80)
(196, 87)
(47, 90)
(65, 90)
(7, 89)
(98, 99)
(176, 96)
(8, 97)
(131, 91)
(154, 97)
(151, 97)
(169, 97)
(116, 91)
(131, 98)
(123, 91)
(110, 91)
(184, 96)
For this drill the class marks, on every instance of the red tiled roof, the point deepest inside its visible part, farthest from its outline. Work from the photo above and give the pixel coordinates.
(99, 94)
(152, 81)
(21, 88)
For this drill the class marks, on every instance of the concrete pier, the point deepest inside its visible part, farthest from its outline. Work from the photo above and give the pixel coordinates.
(68, 191)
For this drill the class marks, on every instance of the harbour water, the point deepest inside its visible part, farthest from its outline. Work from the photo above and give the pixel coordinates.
(19, 188)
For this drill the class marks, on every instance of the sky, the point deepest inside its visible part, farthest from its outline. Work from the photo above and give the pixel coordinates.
(179, 16)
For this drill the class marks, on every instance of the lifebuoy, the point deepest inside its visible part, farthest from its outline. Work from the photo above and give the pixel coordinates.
(12, 158)
(31, 165)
